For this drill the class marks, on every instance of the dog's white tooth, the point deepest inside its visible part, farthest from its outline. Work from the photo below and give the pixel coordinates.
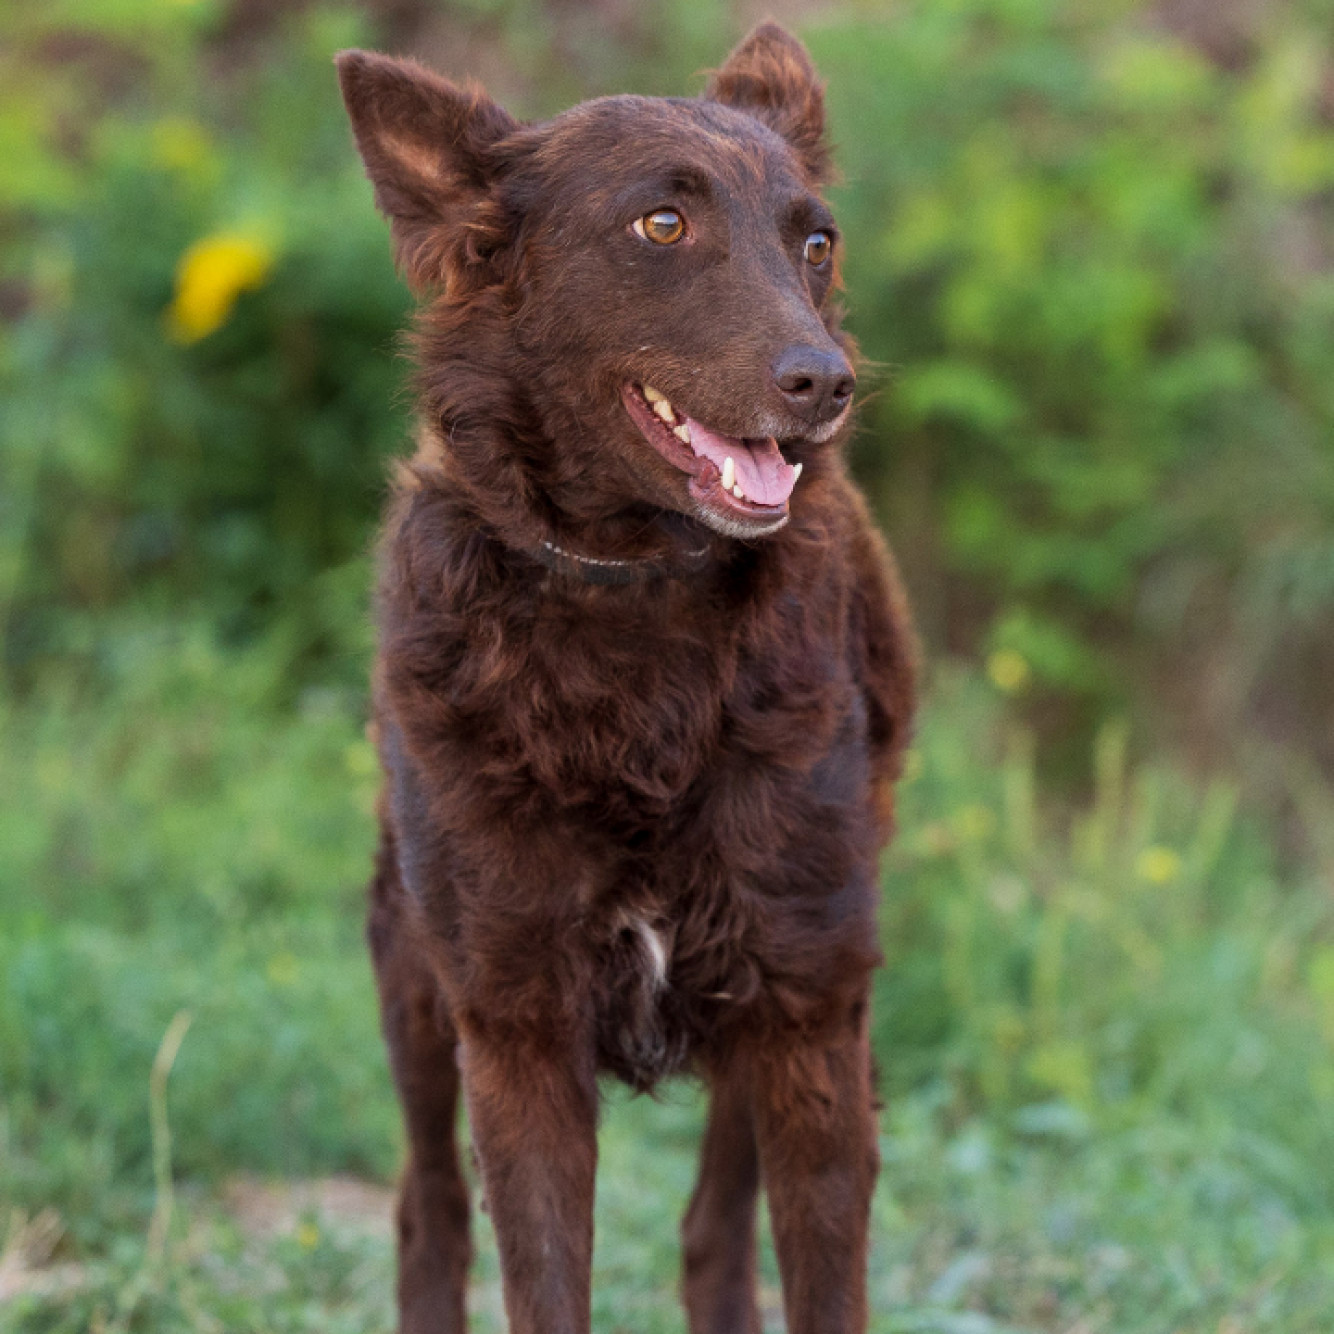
(664, 410)
(729, 473)
(652, 394)
(682, 432)
(738, 492)
(796, 472)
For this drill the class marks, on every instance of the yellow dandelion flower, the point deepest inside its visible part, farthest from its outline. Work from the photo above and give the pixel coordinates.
(307, 1235)
(1158, 865)
(1009, 670)
(209, 278)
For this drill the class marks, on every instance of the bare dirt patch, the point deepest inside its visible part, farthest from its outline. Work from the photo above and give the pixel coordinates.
(274, 1208)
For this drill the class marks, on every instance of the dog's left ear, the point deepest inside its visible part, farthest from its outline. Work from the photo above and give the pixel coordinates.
(770, 76)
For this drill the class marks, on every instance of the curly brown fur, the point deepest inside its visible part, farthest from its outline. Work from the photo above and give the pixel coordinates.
(630, 825)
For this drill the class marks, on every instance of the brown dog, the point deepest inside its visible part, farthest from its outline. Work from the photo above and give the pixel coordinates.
(644, 679)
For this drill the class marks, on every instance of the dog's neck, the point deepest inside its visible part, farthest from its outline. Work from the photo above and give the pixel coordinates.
(619, 549)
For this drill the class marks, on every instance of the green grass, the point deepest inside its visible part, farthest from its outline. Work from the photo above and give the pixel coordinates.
(974, 1233)
(1106, 1032)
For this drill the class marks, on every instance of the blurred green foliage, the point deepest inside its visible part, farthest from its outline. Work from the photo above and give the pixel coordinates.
(1092, 267)
(1098, 270)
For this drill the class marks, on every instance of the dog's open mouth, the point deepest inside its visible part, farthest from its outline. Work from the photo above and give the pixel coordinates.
(742, 483)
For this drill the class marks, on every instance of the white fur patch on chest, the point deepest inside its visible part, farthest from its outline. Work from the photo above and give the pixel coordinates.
(638, 1038)
(655, 951)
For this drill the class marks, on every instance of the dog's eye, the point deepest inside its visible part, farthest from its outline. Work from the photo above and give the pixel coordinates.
(819, 246)
(663, 225)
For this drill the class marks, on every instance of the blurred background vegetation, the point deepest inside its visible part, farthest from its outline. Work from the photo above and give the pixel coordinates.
(1090, 259)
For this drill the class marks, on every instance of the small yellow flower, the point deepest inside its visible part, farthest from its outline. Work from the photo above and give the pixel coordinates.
(973, 823)
(1158, 865)
(209, 278)
(1063, 1067)
(307, 1235)
(283, 969)
(360, 759)
(1009, 670)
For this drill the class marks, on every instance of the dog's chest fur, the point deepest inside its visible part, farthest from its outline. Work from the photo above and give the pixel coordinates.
(695, 770)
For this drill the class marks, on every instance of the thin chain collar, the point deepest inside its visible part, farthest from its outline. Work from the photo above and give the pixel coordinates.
(595, 570)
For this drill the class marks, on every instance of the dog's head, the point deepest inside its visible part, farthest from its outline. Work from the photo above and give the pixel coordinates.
(649, 276)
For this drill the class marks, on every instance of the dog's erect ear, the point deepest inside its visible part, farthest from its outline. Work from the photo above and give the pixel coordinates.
(770, 75)
(424, 144)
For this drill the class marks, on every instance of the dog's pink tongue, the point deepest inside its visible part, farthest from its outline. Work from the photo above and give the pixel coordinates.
(761, 471)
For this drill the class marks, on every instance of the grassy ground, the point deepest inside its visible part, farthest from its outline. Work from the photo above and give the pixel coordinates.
(1107, 1036)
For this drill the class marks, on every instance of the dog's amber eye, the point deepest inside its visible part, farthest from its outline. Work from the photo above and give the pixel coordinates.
(819, 246)
(663, 225)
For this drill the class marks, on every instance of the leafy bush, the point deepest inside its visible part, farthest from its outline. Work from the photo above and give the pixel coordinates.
(1096, 270)
(201, 385)
(1092, 265)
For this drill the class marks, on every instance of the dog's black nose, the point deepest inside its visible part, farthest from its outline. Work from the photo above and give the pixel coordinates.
(815, 382)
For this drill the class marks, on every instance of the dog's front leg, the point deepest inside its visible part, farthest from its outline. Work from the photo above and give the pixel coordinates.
(815, 1122)
(718, 1233)
(532, 1106)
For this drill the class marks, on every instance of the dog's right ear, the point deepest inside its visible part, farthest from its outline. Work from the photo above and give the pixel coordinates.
(770, 76)
(424, 142)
